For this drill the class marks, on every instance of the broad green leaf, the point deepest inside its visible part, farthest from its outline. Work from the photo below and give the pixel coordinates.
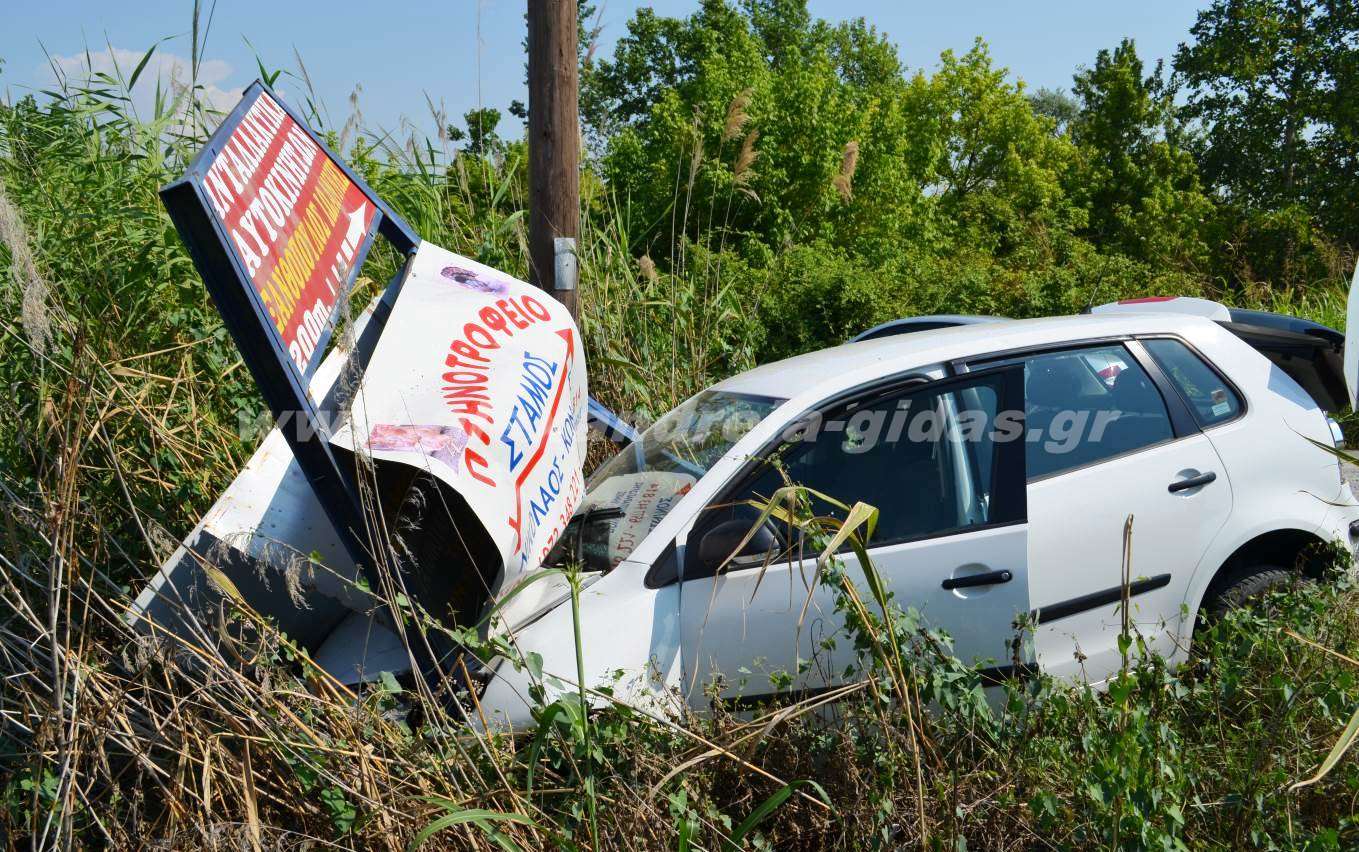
(768, 806)
(141, 66)
(479, 817)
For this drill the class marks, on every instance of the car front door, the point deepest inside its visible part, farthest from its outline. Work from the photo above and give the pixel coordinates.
(1111, 443)
(950, 543)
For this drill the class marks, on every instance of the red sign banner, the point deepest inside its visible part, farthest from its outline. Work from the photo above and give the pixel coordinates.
(293, 218)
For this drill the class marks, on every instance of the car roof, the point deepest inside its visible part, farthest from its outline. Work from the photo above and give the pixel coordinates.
(829, 370)
(912, 325)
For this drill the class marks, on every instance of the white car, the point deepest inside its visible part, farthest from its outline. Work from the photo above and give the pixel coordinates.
(1004, 461)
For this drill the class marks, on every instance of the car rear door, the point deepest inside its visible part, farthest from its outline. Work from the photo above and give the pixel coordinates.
(951, 541)
(1107, 448)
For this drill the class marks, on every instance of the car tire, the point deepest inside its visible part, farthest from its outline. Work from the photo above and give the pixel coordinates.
(1243, 585)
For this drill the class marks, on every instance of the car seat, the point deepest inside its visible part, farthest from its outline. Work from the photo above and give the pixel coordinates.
(1142, 418)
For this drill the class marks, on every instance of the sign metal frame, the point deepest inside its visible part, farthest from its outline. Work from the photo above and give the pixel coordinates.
(285, 388)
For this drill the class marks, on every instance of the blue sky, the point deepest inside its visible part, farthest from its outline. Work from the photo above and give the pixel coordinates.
(468, 52)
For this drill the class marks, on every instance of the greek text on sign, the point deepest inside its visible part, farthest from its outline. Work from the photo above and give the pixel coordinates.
(480, 379)
(294, 219)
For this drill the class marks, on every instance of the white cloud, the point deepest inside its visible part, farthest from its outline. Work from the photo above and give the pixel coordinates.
(170, 70)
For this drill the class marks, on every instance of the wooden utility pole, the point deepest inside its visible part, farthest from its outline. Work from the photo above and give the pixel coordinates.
(554, 145)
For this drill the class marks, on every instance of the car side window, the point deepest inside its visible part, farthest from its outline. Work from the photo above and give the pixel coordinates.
(1209, 396)
(926, 458)
(1083, 406)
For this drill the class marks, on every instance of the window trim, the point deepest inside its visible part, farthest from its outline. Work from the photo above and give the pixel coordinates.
(1176, 408)
(1010, 385)
(1207, 362)
(1183, 423)
(972, 363)
(665, 570)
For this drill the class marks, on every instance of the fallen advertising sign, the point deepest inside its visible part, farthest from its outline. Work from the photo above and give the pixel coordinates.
(457, 371)
(479, 379)
(297, 224)
(278, 227)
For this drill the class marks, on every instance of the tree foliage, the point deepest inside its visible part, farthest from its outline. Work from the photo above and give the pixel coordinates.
(1141, 189)
(1271, 83)
(755, 129)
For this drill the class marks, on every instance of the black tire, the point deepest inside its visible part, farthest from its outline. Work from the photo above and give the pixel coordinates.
(1243, 585)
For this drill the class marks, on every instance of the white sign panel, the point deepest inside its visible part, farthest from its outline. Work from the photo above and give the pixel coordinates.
(479, 379)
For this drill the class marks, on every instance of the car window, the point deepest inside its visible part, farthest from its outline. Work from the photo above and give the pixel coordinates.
(1317, 370)
(1082, 406)
(924, 458)
(1208, 394)
(629, 495)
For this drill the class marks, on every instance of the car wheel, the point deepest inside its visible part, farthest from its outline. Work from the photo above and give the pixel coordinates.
(1244, 585)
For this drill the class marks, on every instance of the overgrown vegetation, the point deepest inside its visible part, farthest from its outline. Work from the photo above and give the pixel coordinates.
(760, 183)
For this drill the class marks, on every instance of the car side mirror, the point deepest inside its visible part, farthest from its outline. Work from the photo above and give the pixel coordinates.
(719, 542)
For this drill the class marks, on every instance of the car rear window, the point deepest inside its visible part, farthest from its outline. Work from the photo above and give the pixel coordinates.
(1208, 394)
(1083, 406)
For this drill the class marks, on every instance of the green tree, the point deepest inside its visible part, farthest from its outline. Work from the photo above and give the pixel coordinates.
(1261, 77)
(1141, 190)
(482, 140)
(1336, 140)
(1270, 89)
(998, 178)
(1055, 104)
(759, 127)
(764, 127)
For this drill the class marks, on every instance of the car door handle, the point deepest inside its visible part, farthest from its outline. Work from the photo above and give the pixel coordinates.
(1192, 482)
(988, 578)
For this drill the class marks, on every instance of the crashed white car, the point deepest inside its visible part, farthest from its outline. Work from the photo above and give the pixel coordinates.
(1004, 458)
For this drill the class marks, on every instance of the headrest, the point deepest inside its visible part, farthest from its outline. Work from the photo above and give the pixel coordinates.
(1134, 393)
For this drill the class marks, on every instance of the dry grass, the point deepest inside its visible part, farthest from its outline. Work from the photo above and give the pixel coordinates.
(737, 117)
(33, 313)
(844, 179)
(745, 158)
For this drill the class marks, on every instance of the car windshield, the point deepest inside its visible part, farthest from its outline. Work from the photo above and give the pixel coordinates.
(630, 494)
